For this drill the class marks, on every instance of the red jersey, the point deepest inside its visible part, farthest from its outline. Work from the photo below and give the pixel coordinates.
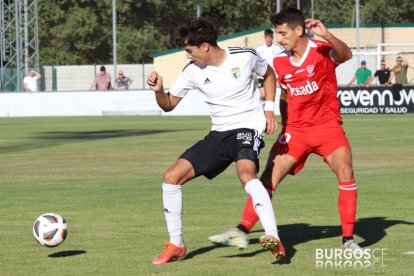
(310, 84)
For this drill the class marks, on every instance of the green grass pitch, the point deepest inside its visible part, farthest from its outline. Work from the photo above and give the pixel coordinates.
(104, 175)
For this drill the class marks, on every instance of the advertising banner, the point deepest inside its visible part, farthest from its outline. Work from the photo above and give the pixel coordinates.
(395, 99)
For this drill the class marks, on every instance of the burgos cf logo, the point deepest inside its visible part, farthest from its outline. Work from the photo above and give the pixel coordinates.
(235, 72)
(284, 138)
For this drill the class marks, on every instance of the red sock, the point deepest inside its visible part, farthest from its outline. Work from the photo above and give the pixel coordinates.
(347, 202)
(249, 216)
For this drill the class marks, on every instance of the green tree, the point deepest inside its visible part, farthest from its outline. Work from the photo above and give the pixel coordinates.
(80, 31)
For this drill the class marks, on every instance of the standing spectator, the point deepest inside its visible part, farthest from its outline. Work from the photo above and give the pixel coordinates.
(122, 82)
(383, 74)
(363, 75)
(400, 71)
(102, 81)
(268, 51)
(30, 81)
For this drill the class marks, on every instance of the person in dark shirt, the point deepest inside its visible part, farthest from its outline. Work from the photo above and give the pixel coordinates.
(383, 74)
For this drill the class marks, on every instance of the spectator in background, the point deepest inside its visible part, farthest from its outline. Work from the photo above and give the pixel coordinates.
(400, 71)
(268, 51)
(122, 82)
(30, 81)
(383, 74)
(363, 75)
(102, 81)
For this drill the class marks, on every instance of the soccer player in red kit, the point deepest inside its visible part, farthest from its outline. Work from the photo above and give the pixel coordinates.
(306, 73)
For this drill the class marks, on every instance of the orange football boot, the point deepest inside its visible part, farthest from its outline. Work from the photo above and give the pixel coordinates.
(171, 252)
(273, 245)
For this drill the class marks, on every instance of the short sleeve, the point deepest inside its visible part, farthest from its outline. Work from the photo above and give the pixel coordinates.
(182, 85)
(261, 65)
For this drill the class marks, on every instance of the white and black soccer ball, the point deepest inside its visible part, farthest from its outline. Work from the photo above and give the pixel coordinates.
(50, 229)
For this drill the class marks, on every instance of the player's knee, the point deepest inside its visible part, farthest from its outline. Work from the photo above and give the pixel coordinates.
(345, 172)
(246, 177)
(171, 177)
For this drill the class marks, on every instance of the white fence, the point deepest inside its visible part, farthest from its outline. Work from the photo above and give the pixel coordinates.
(79, 77)
(138, 102)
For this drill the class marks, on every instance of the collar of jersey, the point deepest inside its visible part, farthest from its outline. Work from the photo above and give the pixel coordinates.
(310, 45)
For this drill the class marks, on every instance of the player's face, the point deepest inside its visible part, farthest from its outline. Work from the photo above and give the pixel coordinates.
(286, 36)
(268, 40)
(197, 54)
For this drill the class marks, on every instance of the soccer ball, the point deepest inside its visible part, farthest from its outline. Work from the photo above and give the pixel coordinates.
(50, 229)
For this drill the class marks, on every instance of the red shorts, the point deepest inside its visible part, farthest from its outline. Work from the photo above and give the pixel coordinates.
(300, 142)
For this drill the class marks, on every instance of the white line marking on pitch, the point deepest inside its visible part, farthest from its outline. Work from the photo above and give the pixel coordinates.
(408, 253)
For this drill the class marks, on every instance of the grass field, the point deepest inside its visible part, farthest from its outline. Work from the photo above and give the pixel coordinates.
(104, 175)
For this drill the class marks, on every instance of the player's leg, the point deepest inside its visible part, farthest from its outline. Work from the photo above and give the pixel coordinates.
(238, 236)
(340, 161)
(271, 177)
(174, 177)
(246, 171)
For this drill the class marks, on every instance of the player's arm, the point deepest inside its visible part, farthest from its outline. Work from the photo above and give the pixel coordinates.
(341, 51)
(269, 85)
(166, 101)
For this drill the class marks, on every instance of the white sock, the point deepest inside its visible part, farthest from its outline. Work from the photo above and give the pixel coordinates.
(263, 206)
(172, 198)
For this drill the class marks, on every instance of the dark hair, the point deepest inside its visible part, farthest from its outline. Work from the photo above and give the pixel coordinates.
(268, 32)
(196, 33)
(293, 17)
(102, 68)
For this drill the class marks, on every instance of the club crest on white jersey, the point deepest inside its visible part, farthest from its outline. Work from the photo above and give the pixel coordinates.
(235, 72)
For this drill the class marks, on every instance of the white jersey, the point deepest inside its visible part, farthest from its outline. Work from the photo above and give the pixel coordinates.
(229, 89)
(31, 82)
(269, 53)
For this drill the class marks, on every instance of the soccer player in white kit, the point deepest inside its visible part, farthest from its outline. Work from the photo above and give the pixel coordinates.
(268, 50)
(224, 78)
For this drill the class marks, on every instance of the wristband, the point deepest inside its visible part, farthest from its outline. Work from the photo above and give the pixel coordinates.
(269, 106)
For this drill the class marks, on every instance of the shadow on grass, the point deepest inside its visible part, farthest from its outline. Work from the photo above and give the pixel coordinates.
(68, 253)
(96, 135)
(371, 230)
(50, 139)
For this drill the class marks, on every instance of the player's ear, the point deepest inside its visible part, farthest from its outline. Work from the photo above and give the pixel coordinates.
(299, 30)
(205, 46)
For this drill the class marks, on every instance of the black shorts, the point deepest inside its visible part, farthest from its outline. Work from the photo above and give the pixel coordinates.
(212, 155)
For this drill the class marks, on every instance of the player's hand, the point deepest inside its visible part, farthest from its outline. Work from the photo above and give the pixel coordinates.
(155, 82)
(271, 124)
(317, 27)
